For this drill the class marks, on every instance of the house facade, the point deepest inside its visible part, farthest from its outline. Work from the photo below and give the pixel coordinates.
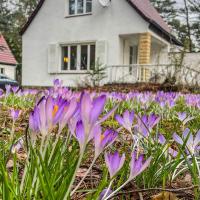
(8, 62)
(66, 38)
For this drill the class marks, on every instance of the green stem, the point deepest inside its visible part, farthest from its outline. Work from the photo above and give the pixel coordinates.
(74, 175)
(111, 182)
(117, 190)
(54, 146)
(94, 160)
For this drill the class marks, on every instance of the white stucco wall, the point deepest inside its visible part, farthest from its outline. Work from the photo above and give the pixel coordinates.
(51, 26)
(9, 71)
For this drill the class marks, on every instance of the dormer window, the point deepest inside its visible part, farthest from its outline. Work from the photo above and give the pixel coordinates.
(79, 7)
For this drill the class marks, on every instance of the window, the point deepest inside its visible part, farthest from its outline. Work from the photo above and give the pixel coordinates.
(78, 7)
(73, 58)
(84, 57)
(2, 71)
(78, 57)
(133, 53)
(92, 57)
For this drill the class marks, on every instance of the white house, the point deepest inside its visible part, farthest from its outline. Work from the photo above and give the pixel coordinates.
(65, 38)
(7, 60)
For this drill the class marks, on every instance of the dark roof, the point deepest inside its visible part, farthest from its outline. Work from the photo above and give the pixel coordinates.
(143, 7)
(6, 56)
(157, 24)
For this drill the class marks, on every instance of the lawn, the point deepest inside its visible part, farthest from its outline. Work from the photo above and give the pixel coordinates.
(60, 144)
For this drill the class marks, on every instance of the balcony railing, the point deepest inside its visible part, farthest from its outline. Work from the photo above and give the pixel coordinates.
(152, 73)
(138, 73)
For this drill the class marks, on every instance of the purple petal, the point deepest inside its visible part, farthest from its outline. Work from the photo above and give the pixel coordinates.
(161, 139)
(105, 117)
(120, 120)
(173, 152)
(80, 134)
(86, 106)
(197, 139)
(177, 138)
(186, 132)
(98, 105)
(108, 191)
(182, 116)
(145, 165)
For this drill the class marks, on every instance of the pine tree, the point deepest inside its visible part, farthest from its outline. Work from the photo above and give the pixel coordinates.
(167, 10)
(181, 19)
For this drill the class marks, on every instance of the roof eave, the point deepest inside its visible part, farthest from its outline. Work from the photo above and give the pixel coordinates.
(10, 64)
(166, 35)
(31, 18)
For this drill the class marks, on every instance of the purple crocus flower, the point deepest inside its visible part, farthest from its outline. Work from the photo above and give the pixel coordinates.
(15, 89)
(114, 163)
(47, 113)
(126, 121)
(17, 146)
(182, 116)
(137, 166)
(162, 140)
(106, 191)
(103, 139)
(192, 144)
(68, 111)
(146, 123)
(15, 114)
(8, 89)
(90, 110)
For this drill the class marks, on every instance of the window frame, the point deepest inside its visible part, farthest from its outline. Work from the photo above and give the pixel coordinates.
(76, 9)
(78, 67)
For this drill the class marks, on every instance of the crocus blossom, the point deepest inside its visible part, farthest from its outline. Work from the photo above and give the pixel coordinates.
(90, 110)
(137, 166)
(114, 162)
(184, 118)
(192, 143)
(48, 112)
(106, 192)
(103, 139)
(15, 89)
(146, 124)
(68, 111)
(126, 121)
(162, 140)
(15, 114)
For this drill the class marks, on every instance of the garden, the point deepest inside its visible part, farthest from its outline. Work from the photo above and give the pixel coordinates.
(60, 144)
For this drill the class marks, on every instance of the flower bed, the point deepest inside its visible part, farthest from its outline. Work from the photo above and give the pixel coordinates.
(60, 144)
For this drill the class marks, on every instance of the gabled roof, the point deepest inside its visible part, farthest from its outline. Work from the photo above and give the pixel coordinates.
(6, 56)
(143, 7)
(157, 24)
(148, 11)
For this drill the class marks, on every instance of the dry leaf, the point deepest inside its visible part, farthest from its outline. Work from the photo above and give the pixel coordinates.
(165, 196)
(81, 172)
(10, 164)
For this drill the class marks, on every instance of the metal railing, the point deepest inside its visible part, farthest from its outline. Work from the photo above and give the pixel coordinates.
(138, 73)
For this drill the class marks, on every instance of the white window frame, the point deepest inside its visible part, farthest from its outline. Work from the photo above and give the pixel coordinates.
(78, 67)
(76, 9)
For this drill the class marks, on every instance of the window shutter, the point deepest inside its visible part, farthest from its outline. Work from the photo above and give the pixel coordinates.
(101, 52)
(54, 58)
